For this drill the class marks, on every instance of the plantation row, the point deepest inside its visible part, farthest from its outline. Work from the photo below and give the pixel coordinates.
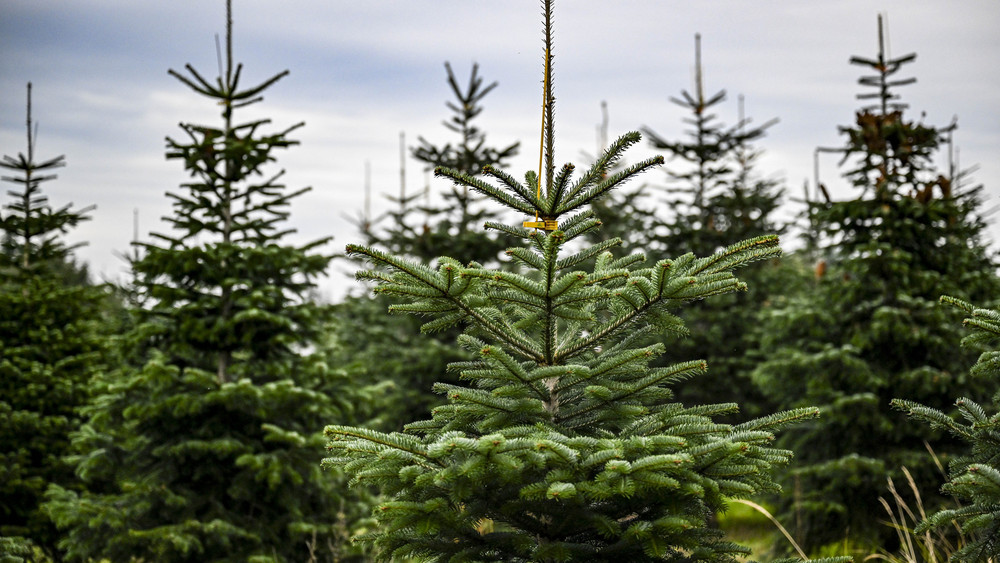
(601, 382)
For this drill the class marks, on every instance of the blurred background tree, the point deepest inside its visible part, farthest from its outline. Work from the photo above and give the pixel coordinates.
(54, 331)
(452, 228)
(717, 197)
(870, 328)
(360, 332)
(208, 448)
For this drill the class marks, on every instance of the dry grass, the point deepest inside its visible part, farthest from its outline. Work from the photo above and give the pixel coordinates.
(932, 546)
(904, 514)
(774, 521)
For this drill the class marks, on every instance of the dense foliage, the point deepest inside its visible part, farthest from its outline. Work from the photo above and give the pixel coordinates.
(208, 447)
(52, 342)
(870, 329)
(974, 478)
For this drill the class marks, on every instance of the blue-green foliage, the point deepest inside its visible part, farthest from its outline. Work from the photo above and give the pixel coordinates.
(974, 478)
(565, 444)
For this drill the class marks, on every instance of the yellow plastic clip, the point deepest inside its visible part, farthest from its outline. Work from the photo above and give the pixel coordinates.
(544, 224)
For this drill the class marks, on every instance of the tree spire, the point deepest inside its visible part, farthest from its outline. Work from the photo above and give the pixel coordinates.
(564, 443)
(33, 229)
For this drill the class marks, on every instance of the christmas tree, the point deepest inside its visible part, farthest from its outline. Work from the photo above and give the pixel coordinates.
(209, 448)
(457, 228)
(715, 199)
(870, 329)
(566, 444)
(974, 478)
(52, 342)
(452, 229)
(360, 331)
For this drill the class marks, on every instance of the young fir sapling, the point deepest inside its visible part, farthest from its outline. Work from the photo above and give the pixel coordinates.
(566, 445)
(449, 229)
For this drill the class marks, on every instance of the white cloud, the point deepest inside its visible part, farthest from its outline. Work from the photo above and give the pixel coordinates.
(361, 72)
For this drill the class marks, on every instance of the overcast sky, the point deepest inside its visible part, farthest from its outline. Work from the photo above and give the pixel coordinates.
(363, 72)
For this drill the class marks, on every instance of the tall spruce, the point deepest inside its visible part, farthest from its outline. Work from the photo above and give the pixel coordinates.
(870, 328)
(566, 445)
(52, 342)
(716, 197)
(209, 449)
(974, 477)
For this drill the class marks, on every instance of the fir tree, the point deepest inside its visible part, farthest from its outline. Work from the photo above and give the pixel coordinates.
(870, 329)
(453, 229)
(52, 342)
(360, 333)
(717, 199)
(975, 476)
(714, 197)
(32, 230)
(209, 449)
(626, 213)
(567, 445)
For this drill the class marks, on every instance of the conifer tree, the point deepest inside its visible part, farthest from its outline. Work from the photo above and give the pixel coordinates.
(469, 156)
(454, 228)
(52, 342)
(974, 477)
(717, 198)
(870, 329)
(209, 449)
(566, 446)
(361, 332)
